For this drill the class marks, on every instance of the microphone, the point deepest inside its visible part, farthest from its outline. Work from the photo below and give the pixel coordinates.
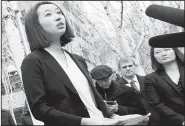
(170, 15)
(168, 40)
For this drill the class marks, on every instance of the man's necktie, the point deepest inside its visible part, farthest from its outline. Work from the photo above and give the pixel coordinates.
(133, 85)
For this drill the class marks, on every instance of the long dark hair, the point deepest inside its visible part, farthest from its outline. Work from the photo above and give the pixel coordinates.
(158, 67)
(37, 36)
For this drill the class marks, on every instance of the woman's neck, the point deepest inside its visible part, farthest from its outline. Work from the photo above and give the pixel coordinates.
(55, 46)
(172, 66)
(172, 71)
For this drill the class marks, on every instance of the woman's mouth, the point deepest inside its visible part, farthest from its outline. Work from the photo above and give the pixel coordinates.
(165, 58)
(60, 24)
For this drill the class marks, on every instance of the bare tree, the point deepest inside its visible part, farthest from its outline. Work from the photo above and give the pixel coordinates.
(120, 34)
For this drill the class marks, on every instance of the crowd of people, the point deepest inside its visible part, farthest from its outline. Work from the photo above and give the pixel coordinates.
(61, 91)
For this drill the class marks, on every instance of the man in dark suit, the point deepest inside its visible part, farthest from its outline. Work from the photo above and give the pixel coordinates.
(129, 78)
(6, 118)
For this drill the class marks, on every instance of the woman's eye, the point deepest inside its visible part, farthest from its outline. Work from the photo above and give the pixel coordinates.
(48, 14)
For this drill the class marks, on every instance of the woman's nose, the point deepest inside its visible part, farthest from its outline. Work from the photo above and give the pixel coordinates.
(57, 18)
(163, 53)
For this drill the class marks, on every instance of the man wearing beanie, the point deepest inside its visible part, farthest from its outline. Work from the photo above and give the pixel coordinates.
(123, 99)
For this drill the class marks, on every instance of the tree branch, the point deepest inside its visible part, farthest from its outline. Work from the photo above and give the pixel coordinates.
(121, 14)
(101, 36)
(141, 41)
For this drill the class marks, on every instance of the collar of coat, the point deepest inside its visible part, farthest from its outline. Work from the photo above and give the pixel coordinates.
(113, 91)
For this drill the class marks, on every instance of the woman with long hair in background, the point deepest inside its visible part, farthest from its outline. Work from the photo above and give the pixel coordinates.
(164, 88)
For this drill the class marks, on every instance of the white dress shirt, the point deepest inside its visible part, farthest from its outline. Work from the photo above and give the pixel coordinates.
(136, 82)
(80, 83)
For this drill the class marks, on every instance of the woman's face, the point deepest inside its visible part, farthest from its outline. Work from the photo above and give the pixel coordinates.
(51, 19)
(164, 55)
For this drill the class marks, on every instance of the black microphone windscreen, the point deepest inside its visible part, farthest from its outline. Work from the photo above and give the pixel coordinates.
(168, 14)
(168, 40)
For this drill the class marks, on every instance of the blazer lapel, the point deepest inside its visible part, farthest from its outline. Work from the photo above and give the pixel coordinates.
(81, 66)
(165, 77)
(141, 83)
(59, 72)
(116, 90)
(181, 69)
(99, 100)
(122, 81)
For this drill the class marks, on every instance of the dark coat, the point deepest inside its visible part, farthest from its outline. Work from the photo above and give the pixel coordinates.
(154, 118)
(128, 102)
(6, 118)
(51, 95)
(164, 96)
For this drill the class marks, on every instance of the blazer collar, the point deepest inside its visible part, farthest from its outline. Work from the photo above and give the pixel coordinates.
(99, 101)
(165, 77)
(141, 82)
(122, 81)
(61, 74)
(58, 71)
(113, 91)
(117, 90)
(181, 70)
(82, 67)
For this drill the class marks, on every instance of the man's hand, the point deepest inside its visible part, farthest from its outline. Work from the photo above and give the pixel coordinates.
(143, 120)
(183, 123)
(113, 108)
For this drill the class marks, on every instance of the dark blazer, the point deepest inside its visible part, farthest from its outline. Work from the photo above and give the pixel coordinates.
(128, 102)
(50, 93)
(165, 98)
(6, 118)
(154, 118)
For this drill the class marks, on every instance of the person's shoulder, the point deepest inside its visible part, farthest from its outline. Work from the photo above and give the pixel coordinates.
(33, 58)
(33, 55)
(139, 76)
(151, 74)
(37, 55)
